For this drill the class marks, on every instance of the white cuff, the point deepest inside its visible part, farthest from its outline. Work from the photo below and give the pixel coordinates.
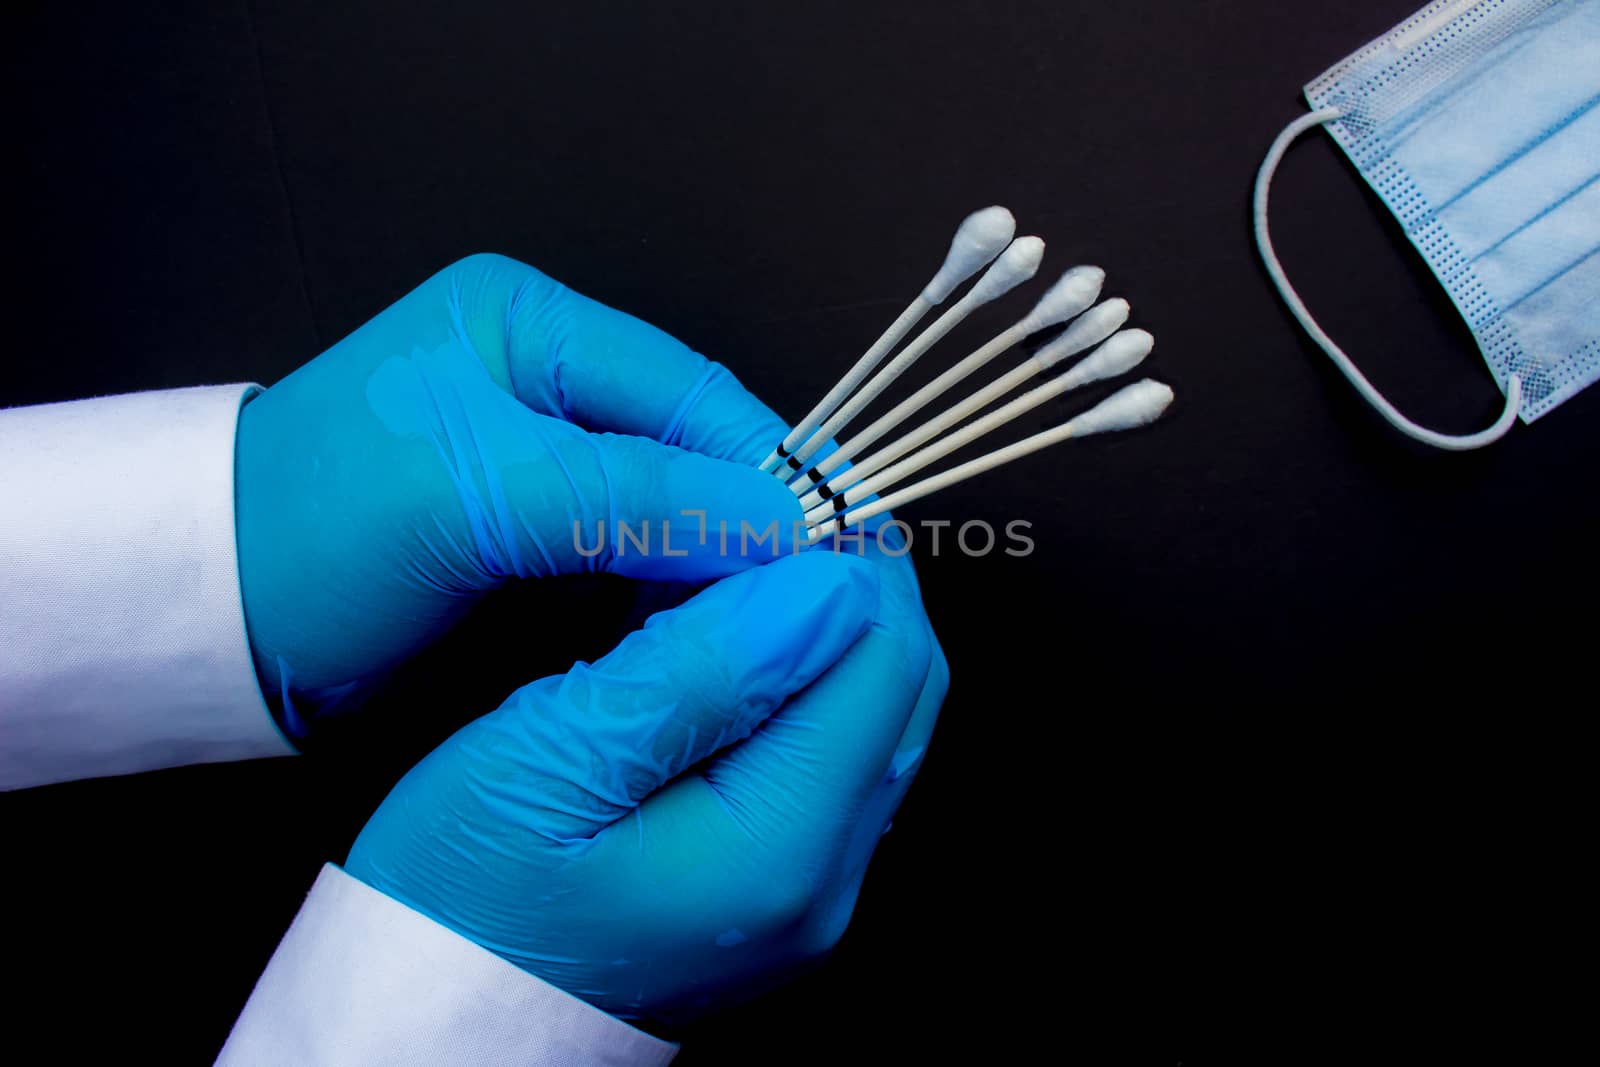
(122, 639)
(362, 979)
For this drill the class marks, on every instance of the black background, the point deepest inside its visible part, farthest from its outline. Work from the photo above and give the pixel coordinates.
(1281, 714)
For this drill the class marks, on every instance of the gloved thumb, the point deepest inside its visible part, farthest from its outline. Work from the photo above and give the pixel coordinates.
(539, 496)
(584, 748)
(635, 507)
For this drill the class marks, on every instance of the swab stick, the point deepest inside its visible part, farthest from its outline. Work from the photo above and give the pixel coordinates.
(1015, 265)
(1136, 405)
(1118, 355)
(1066, 299)
(980, 237)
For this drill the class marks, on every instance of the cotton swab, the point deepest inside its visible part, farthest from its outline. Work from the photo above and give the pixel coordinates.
(1018, 263)
(981, 236)
(892, 475)
(1135, 405)
(1118, 355)
(1074, 291)
(1109, 360)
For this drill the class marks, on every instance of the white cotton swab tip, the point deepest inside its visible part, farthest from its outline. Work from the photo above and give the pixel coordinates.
(1067, 298)
(1125, 350)
(1019, 262)
(1133, 405)
(978, 239)
(1088, 330)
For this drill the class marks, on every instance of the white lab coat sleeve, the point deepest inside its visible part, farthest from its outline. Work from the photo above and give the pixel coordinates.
(362, 979)
(123, 648)
(122, 638)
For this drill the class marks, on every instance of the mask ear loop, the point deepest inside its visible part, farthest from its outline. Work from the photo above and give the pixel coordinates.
(1451, 442)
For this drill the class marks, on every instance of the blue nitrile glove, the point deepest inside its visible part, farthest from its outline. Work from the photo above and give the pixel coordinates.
(689, 819)
(450, 444)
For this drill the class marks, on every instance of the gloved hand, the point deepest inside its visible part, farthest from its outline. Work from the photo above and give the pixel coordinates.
(690, 818)
(445, 447)
(386, 484)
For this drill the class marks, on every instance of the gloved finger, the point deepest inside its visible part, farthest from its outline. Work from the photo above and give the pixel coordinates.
(772, 837)
(903, 767)
(907, 596)
(586, 747)
(832, 914)
(577, 359)
(815, 764)
(540, 496)
(627, 505)
(918, 734)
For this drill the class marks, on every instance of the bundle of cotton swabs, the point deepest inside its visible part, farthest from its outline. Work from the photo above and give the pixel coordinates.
(835, 499)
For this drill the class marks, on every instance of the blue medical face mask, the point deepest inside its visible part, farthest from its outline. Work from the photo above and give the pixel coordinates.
(1478, 123)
